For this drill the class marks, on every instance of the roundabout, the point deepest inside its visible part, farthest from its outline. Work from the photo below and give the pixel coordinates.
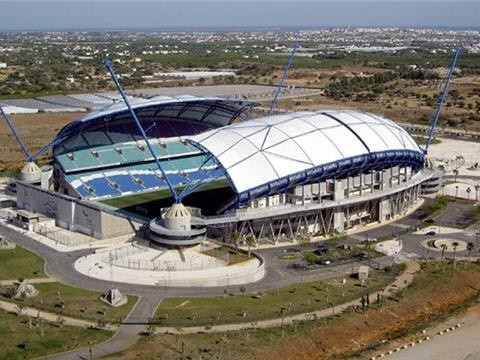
(445, 244)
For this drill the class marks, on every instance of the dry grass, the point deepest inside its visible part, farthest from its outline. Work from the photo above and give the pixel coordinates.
(425, 299)
(398, 108)
(36, 130)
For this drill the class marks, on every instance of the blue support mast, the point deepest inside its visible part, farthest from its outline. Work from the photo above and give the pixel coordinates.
(443, 96)
(15, 134)
(109, 67)
(282, 81)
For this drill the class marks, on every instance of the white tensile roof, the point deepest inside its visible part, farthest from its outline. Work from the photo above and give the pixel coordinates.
(262, 150)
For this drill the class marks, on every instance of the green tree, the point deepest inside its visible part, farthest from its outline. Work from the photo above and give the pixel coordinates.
(455, 173)
(444, 248)
(250, 241)
(470, 247)
(310, 258)
(468, 190)
(455, 246)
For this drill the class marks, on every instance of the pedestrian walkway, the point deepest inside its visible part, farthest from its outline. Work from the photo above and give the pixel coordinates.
(50, 317)
(30, 281)
(126, 336)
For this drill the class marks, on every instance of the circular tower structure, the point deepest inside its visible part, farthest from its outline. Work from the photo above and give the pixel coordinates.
(175, 229)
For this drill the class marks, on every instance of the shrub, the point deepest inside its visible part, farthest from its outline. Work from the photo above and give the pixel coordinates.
(310, 258)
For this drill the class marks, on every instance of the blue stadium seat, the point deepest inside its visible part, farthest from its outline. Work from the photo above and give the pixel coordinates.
(197, 175)
(180, 170)
(83, 191)
(177, 179)
(126, 183)
(102, 187)
(151, 180)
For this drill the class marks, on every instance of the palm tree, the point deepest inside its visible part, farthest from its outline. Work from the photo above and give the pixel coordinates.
(455, 245)
(477, 188)
(427, 253)
(456, 192)
(250, 240)
(455, 173)
(468, 190)
(444, 247)
(470, 247)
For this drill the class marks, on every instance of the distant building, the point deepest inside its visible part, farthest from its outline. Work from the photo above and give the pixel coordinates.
(3, 65)
(194, 74)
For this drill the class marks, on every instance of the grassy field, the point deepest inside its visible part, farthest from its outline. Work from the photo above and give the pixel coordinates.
(474, 213)
(436, 292)
(128, 201)
(19, 340)
(289, 300)
(20, 263)
(438, 206)
(227, 254)
(74, 302)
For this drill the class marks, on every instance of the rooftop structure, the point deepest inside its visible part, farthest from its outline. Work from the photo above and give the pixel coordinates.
(103, 155)
(268, 155)
(274, 177)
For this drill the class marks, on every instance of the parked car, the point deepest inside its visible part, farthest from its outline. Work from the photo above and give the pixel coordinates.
(431, 233)
(290, 250)
(362, 255)
(299, 266)
(320, 250)
(11, 188)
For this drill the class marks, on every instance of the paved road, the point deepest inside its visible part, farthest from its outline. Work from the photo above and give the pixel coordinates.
(454, 215)
(60, 266)
(127, 335)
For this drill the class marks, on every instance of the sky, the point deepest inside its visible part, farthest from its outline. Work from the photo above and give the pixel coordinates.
(123, 15)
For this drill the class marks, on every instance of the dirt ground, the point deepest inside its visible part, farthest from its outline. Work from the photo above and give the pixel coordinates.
(35, 130)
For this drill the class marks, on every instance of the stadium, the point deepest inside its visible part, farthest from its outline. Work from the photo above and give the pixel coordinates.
(276, 179)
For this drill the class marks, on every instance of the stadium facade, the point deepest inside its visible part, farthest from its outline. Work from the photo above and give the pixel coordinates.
(275, 178)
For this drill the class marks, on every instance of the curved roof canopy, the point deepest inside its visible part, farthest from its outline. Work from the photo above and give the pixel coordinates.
(270, 153)
(212, 111)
